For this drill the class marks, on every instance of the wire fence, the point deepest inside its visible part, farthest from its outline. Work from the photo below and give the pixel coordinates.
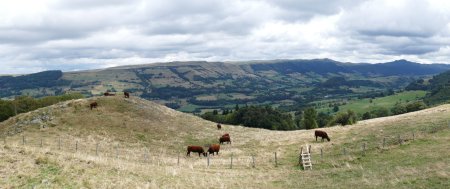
(128, 152)
(362, 148)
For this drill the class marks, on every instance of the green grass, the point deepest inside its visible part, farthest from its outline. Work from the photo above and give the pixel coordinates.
(188, 108)
(364, 105)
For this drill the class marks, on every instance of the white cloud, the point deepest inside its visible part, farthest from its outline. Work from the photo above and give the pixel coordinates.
(85, 34)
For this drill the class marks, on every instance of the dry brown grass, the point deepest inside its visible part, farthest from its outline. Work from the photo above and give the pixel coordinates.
(149, 138)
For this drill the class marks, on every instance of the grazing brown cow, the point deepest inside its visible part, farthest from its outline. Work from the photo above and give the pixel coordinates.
(226, 135)
(108, 94)
(93, 105)
(126, 94)
(322, 134)
(224, 139)
(197, 149)
(219, 126)
(214, 148)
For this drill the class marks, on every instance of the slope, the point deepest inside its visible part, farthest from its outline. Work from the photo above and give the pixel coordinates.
(137, 143)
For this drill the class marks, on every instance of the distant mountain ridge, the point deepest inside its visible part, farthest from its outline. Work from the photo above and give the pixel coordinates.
(190, 86)
(398, 67)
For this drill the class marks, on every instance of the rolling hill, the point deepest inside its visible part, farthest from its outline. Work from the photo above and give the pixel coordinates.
(135, 143)
(194, 86)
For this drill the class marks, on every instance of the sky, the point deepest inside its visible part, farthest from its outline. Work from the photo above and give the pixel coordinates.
(89, 34)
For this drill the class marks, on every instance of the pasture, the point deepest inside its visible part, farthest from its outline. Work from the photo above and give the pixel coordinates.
(137, 143)
(364, 105)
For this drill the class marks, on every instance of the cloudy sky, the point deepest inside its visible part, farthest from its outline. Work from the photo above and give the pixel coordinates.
(86, 34)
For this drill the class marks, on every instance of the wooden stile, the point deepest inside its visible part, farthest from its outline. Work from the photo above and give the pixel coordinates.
(305, 157)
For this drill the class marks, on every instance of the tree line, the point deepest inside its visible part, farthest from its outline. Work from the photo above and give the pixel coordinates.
(267, 117)
(22, 104)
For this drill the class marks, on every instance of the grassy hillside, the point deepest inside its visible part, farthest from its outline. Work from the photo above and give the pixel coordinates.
(367, 104)
(439, 89)
(139, 143)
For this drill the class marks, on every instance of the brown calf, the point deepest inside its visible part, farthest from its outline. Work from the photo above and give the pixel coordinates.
(219, 126)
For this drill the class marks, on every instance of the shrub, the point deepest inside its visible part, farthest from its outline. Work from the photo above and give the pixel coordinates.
(398, 109)
(344, 118)
(415, 106)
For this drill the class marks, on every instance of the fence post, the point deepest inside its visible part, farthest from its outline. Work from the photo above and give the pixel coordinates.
(253, 160)
(23, 140)
(399, 140)
(231, 163)
(76, 146)
(146, 156)
(364, 148)
(300, 156)
(207, 159)
(59, 143)
(384, 142)
(276, 160)
(178, 160)
(343, 151)
(414, 136)
(41, 143)
(117, 152)
(321, 153)
(96, 150)
(309, 150)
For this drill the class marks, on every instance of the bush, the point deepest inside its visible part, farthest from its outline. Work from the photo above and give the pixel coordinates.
(344, 118)
(399, 109)
(380, 112)
(366, 115)
(415, 106)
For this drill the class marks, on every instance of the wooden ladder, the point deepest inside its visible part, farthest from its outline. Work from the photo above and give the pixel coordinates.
(305, 157)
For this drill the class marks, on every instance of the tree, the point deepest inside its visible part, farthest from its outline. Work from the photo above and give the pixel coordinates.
(366, 115)
(398, 109)
(298, 118)
(215, 112)
(344, 118)
(335, 108)
(255, 116)
(225, 112)
(380, 112)
(323, 119)
(415, 106)
(236, 108)
(309, 119)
